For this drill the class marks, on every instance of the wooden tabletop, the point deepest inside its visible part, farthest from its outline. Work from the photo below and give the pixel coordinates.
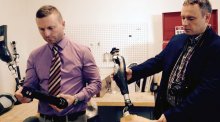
(116, 99)
(20, 112)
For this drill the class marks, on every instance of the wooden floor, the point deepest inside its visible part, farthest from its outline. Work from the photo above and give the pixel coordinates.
(20, 112)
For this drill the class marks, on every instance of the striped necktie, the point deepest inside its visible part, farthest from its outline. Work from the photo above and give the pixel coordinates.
(55, 73)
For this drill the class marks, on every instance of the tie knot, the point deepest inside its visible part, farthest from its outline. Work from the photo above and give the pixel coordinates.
(55, 49)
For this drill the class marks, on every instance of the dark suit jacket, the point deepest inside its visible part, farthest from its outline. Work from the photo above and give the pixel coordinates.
(202, 103)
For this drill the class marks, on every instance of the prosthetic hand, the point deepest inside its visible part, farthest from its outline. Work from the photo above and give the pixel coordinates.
(32, 93)
(121, 78)
(4, 52)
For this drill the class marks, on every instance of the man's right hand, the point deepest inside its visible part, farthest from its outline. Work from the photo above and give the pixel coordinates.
(20, 97)
(128, 73)
(135, 118)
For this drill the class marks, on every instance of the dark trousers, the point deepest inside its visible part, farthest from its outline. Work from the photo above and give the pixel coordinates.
(75, 117)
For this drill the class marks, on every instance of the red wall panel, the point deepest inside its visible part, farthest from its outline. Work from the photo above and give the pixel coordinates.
(172, 19)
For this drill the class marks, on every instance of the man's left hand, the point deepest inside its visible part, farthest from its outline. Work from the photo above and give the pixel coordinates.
(69, 98)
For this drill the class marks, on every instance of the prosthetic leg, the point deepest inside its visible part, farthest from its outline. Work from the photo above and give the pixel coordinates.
(6, 100)
(121, 78)
(5, 55)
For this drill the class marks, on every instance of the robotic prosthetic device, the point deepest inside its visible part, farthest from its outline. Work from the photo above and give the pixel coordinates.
(15, 58)
(121, 78)
(32, 93)
(6, 56)
(6, 100)
(4, 52)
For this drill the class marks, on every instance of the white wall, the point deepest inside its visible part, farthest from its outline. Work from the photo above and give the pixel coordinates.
(13, 13)
(19, 15)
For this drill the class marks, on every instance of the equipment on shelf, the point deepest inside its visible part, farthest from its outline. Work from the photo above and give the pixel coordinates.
(5, 55)
(7, 101)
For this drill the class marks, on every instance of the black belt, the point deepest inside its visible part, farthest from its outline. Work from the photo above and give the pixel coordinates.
(71, 116)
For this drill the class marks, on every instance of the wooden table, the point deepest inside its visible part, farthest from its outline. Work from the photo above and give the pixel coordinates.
(110, 106)
(116, 101)
(20, 112)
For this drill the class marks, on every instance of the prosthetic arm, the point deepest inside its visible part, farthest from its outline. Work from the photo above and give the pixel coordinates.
(121, 78)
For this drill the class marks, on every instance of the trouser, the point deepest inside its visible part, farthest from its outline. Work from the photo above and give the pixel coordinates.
(42, 118)
(81, 118)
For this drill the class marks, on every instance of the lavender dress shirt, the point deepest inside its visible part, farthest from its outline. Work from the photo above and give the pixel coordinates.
(78, 69)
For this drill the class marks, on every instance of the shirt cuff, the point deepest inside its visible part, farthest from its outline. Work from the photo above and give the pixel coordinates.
(80, 96)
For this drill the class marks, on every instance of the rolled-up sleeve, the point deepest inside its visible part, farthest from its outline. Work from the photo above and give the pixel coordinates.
(91, 75)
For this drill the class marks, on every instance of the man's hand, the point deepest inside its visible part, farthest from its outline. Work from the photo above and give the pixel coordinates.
(128, 73)
(135, 118)
(20, 97)
(69, 98)
(162, 118)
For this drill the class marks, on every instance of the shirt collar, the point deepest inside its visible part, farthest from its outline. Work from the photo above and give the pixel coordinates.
(61, 44)
(195, 39)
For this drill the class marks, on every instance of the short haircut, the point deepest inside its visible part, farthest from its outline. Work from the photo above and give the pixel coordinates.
(47, 10)
(204, 5)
